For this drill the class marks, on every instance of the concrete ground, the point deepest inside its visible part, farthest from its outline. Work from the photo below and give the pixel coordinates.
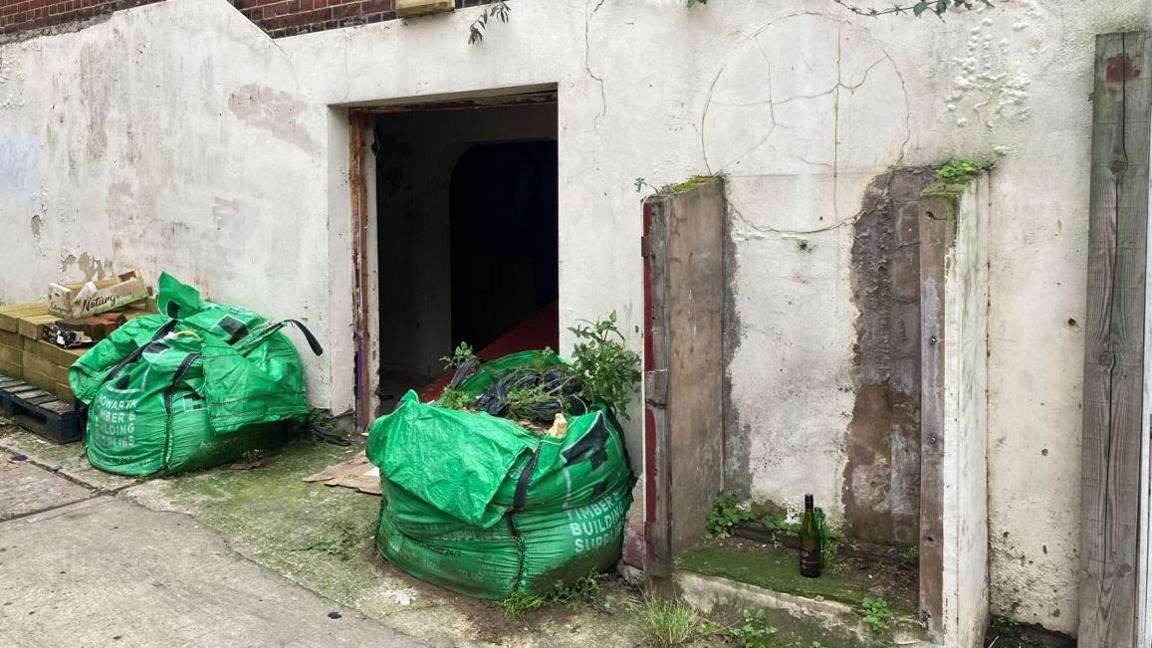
(246, 558)
(81, 568)
(251, 558)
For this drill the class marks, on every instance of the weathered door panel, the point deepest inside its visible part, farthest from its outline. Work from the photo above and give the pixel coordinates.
(683, 361)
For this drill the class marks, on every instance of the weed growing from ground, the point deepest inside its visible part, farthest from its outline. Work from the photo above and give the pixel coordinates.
(876, 613)
(1007, 621)
(584, 590)
(753, 631)
(666, 624)
(724, 515)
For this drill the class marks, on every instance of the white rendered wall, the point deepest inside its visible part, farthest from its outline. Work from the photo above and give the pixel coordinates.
(178, 136)
(965, 464)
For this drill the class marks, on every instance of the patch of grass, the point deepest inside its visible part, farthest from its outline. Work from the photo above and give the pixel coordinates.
(666, 624)
(584, 590)
(877, 614)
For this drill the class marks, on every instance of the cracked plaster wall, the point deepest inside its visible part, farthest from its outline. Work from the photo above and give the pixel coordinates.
(177, 136)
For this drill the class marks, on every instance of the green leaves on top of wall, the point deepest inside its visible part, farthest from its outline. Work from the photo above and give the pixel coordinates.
(918, 8)
(500, 11)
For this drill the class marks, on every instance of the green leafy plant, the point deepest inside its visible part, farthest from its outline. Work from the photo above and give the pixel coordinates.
(584, 590)
(876, 613)
(498, 11)
(960, 171)
(455, 399)
(725, 514)
(666, 624)
(1006, 621)
(753, 631)
(520, 603)
(608, 371)
(461, 355)
(918, 8)
(318, 418)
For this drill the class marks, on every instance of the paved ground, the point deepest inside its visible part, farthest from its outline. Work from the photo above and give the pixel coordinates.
(25, 489)
(95, 570)
(223, 558)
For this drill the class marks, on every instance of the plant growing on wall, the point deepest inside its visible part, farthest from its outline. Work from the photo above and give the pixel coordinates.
(500, 11)
(918, 8)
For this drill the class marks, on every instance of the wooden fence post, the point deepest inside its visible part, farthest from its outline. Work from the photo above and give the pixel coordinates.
(1114, 376)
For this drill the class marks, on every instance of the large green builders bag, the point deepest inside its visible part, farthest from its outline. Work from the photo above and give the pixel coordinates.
(481, 506)
(199, 385)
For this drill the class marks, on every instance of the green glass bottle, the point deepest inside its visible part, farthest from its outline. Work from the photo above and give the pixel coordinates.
(810, 558)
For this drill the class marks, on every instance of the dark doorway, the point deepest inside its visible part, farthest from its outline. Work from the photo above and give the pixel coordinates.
(503, 238)
(466, 244)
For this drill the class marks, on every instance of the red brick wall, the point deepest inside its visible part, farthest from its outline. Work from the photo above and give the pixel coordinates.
(288, 17)
(277, 17)
(22, 15)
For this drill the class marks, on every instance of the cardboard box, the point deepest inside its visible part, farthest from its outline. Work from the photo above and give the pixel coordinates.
(10, 315)
(74, 302)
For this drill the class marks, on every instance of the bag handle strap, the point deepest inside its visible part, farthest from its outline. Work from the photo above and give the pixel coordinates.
(139, 351)
(269, 329)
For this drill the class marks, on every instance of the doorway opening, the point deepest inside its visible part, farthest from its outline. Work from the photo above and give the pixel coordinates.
(466, 237)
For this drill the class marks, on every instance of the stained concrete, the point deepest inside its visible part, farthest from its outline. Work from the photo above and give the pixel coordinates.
(881, 487)
(26, 489)
(67, 460)
(827, 100)
(106, 572)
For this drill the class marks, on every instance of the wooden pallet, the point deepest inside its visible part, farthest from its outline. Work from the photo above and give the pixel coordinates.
(40, 411)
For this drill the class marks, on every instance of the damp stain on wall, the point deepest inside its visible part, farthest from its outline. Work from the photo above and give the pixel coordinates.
(881, 485)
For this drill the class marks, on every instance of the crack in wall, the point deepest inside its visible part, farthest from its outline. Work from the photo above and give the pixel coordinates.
(588, 61)
(747, 227)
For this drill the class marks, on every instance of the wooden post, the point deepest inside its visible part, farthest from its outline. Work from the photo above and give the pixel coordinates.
(1114, 382)
(358, 124)
(937, 235)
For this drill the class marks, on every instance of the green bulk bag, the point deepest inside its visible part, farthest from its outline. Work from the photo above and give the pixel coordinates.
(482, 506)
(199, 385)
